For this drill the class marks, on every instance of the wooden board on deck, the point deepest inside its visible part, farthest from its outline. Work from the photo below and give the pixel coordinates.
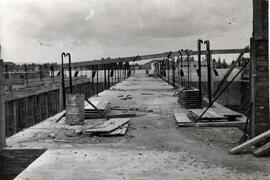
(108, 126)
(182, 119)
(121, 131)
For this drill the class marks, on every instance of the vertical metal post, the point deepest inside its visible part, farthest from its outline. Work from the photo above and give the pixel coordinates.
(92, 82)
(209, 73)
(117, 66)
(26, 74)
(158, 70)
(173, 71)
(120, 71)
(63, 82)
(111, 73)
(105, 80)
(70, 73)
(108, 76)
(188, 68)
(125, 70)
(168, 71)
(2, 107)
(199, 42)
(181, 68)
(115, 73)
(97, 80)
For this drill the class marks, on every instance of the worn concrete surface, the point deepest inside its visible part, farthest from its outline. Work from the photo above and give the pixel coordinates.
(153, 148)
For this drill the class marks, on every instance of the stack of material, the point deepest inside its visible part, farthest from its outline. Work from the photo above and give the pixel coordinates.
(112, 127)
(219, 116)
(189, 98)
(103, 107)
(216, 116)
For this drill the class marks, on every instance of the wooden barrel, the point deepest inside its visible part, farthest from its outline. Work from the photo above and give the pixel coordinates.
(75, 109)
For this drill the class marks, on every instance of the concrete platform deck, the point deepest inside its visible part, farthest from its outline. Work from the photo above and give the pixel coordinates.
(153, 148)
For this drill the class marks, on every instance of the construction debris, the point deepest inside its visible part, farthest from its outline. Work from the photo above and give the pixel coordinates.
(217, 116)
(108, 126)
(121, 131)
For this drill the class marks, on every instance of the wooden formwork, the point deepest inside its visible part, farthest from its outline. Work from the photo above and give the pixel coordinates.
(24, 112)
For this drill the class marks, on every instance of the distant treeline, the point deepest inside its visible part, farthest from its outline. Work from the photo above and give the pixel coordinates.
(12, 67)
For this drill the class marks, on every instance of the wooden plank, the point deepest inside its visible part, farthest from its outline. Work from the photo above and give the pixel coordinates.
(224, 111)
(239, 124)
(108, 126)
(146, 93)
(208, 115)
(182, 119)
(100, 104)
(263, 150)
(2, 108)
(250, 142)
(121, 131)
(110, 114)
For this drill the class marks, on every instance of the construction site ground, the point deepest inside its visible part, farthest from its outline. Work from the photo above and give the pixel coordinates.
(153, 147)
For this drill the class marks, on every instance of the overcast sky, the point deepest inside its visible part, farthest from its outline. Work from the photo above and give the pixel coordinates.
(39, 30)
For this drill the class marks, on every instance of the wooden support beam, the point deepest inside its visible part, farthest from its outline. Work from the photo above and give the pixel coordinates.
(221, 84)
(263, 150)
(250, 142)
(150, 56)
(2, 109)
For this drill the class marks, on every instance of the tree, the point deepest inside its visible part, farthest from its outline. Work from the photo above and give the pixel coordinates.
(224, 64)
(219, 64)
(214, 61)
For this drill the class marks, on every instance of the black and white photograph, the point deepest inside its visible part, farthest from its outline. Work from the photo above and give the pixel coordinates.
(134, 90)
